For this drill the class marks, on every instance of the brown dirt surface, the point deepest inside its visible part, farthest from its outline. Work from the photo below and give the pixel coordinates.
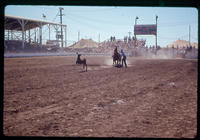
(51, 96)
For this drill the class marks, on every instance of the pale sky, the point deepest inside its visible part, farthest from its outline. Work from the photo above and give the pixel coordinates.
(173, 23)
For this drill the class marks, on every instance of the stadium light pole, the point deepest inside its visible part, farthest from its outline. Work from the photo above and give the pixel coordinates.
(61, 25)
(156, 34)
(66, 36)
(134, 28)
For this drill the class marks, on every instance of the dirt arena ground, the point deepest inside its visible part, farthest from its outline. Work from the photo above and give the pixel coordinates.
(51, 96)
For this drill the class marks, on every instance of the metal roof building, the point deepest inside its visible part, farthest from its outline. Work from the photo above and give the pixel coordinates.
(14, 24)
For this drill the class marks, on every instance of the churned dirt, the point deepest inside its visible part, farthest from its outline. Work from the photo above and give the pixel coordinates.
(51, 96)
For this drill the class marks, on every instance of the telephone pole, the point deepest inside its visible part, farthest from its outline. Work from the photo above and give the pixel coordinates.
(134, 30)
(129, 33)
(78, 35)
(61, 25)
(189, 35)
(99, 38)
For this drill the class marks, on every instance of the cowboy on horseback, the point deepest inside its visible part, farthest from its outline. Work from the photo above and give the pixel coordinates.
(115, 51)
(116, 56)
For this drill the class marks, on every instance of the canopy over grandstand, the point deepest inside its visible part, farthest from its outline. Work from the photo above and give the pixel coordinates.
(15, 24)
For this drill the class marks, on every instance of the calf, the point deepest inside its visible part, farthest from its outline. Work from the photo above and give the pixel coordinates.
(81, 61)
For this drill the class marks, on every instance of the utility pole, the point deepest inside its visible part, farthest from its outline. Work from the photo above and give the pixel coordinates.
(134, 31)
(78, 35)
(61, 25)
(189, 35)
(99, 38)
(129, 37)
(129, 33)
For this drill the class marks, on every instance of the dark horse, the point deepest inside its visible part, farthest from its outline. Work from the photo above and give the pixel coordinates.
(81, 61)
(116, 58)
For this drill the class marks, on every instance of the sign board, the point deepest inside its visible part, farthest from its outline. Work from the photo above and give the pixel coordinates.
(59, 36)
(145, 29)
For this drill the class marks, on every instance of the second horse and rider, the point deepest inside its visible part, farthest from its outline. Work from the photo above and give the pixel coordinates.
(117, 58)
(117, 61)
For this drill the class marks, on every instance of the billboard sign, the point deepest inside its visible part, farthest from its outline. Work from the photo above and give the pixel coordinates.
(145, 29)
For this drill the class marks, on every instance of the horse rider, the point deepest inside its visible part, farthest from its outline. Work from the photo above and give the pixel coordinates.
(115, 51)
(123, 58)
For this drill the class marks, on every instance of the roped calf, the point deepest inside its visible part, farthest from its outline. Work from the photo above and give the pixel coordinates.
(81, 61)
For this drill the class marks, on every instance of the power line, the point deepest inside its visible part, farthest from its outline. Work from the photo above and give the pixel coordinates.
(55, 17)
(94, 10)
(81, 22)
(53, 20)
(97, 20)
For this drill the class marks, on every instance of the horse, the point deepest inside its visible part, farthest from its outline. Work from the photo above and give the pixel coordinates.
(116, 58)
(81, 61)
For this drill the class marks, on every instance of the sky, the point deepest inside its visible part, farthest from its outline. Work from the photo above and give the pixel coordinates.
(107, 21)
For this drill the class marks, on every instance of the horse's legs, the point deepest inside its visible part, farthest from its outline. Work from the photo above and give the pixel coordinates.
(86, 66)
(83, 65)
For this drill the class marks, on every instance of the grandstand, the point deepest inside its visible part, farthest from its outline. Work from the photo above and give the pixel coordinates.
(25, 34)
